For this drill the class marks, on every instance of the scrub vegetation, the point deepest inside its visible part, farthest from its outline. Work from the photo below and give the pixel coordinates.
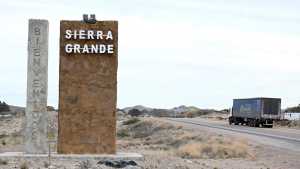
(155, 135)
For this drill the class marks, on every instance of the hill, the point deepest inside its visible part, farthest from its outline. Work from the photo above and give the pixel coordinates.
(180, 111)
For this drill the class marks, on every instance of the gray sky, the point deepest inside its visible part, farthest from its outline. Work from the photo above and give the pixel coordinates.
(193, 52)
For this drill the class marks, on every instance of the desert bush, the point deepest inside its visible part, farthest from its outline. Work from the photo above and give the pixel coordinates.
(85, 164)
(46, 164)
(142, 129)
(131, 121)
(297, 123)
(4, 107)
(3, 142)
(157, 135)
(3, 162)
(50, 108)
(191, 150)
(214, 148)
(12, 139)
(123, 133)
(147, 128)
(135, 112)
(189, 115)
(288, 123)
(24, 165)
(196, 113)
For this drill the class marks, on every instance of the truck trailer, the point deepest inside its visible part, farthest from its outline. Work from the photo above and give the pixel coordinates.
(255, 112)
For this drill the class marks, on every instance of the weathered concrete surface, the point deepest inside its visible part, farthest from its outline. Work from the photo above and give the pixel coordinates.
(37, 77)
(87, 94)
(117, 156)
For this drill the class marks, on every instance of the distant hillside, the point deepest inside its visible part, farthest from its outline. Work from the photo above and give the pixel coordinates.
(180, 111)
(293, 109)
(137, 107)
(6, 109)
(17, 109)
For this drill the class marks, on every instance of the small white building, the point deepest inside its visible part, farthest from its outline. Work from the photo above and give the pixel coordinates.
(292, 115)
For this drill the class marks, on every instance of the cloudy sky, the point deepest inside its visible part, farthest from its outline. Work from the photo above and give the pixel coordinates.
(193, 52)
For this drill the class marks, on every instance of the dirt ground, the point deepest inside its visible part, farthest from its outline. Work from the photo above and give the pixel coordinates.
(163, 145)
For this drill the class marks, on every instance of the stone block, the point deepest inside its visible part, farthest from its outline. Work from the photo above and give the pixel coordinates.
(37, 78)
(87, 90)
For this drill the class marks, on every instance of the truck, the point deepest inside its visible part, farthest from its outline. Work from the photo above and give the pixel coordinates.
(255, 112)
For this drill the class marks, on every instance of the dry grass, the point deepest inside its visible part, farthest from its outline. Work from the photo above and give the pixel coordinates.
(13, 139)
(123, 133)
(288, 123)
(131, 121)
(160, 136)
(215, 148)
(147, 128)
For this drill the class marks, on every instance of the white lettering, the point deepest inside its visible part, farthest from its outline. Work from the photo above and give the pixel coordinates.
(82, 34)
(94, 48)
(90, 34)
(75, 35)
(68, 34)
(110, 48)
(99, 35)
(102, 48)
(68, 48)
(85, 49)
(109, 35)
(76, 48)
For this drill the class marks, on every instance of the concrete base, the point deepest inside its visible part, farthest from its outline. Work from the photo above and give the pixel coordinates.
(118, 156)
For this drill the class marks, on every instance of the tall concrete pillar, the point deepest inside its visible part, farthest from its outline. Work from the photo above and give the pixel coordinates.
(37, 79)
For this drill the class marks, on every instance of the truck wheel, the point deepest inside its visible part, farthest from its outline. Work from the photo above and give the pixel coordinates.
(230, 120)
(236, 121)
(252, 123)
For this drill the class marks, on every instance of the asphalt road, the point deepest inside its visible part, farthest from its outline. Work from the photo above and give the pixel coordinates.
(278, 137)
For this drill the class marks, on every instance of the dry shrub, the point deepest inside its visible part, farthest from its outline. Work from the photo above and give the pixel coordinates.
(288, 123)
(214, 148)
(131, 121)
(46, 164)
(188, 136)
(24, 165)
(13, 139)
(147, 128)
(3, 142)
(191, 150)
(156, 135)
(123, 133)
(3, 162)
(189, 115)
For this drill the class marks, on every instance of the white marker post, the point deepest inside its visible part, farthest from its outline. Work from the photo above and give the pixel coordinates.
(37, 78)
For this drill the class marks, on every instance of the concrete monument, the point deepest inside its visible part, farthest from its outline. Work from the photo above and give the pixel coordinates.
(37, 77)
(88, 87)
